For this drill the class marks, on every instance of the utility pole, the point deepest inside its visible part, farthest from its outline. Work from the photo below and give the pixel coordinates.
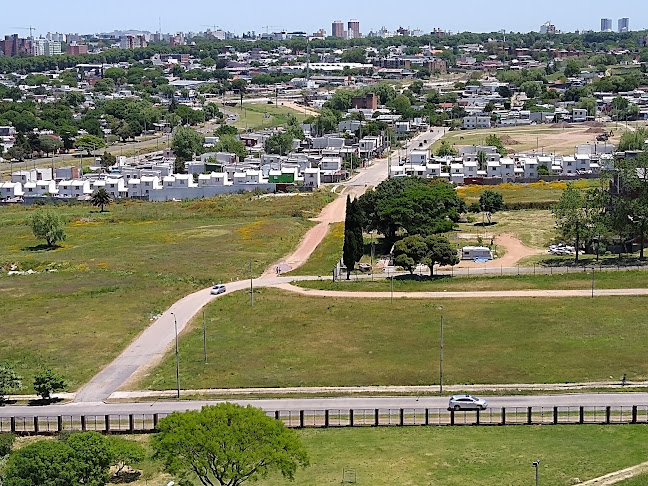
(204, 338)
(536, 465)
(175, 325)
(251, 286)
(441, 356)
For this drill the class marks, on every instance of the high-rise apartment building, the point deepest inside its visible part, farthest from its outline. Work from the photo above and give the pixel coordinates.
(624, 25)
(45, 47)
(337, 29)
(606, 25)
(354, 29)
(548, 28)
(12, 45)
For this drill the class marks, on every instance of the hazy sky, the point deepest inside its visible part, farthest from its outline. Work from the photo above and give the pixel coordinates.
(467, 15)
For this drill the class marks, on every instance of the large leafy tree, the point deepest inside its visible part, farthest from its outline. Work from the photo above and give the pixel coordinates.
(89, 143)
(439, 252)
(630, 205)
(186, 143)
(227, 444)
(490, 202)
(572, 216)
(231, 144)
(409, 252)
(413, 205)
(47, 225)
(47, 382)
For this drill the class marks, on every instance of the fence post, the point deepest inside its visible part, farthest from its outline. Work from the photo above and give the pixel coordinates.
(156, 418)
(529, 416)
(276, 414)
(503, 415)
(107, 423)
(402, 417)
(555, 415)
(477, 423)
(581, 415)
(59, 424)
(452, 417)
(351, 421)
(36, 426)
(427, 416)
(131, 422)
(83, 423)
(376, 417)
(607, 414)
(534, 269)
(326, 418)
(301, 419)
(12, 425)
(634, 414)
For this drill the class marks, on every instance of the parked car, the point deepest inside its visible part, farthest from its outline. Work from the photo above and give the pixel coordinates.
(218, 289)
(467, 402)
(364, 267)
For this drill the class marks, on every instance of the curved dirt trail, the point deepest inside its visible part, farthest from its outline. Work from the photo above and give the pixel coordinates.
(515, 251)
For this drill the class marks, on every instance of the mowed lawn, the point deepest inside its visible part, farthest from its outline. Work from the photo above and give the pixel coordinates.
(576, 280)
(262, 115)
(456, 456)
(117, 270)
(291, 340)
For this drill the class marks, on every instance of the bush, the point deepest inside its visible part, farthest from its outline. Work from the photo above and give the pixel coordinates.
(6, 444)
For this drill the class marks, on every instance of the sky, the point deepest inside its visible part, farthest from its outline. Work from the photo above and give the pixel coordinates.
(83, 17)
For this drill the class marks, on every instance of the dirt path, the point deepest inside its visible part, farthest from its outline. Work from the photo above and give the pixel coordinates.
(515, 251)
(490, 294)
(300, 108)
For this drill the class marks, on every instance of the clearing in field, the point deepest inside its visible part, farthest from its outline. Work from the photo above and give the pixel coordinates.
(529, 139)
(289, 340)
(254, 116)
(117, 270)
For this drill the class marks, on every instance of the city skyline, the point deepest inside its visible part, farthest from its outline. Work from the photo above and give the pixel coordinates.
(291, 15)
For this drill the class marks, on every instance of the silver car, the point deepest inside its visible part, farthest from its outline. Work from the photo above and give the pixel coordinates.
(467, 402)
(218, 289)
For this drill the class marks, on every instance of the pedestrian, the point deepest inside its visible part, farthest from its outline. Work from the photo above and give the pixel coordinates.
(623, 380)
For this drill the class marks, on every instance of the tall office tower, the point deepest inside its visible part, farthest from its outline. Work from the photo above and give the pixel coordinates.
(337, 30)
(624, 25)
(354, 29)
(606, 25)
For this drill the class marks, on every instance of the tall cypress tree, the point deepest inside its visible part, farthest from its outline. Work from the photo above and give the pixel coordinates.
(353, 248)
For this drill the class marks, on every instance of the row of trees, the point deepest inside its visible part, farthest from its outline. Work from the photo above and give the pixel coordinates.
(617, 213)
(46, 382)
(225, 444)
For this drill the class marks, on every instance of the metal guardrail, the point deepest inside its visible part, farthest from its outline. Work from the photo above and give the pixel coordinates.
(332, 418)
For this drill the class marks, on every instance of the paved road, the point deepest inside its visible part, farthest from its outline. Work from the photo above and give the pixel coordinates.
(100, 408)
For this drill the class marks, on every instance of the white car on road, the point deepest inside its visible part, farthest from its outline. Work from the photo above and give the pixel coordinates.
(467, 402)
(218, 289)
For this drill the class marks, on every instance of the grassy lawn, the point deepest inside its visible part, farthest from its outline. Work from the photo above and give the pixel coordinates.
(578, 280)
(261, 115)
(456, 456)
(640, 480)
(116, 270)
(326, 255)
(288, 340)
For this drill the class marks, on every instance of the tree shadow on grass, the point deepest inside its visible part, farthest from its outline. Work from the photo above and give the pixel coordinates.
(40, 402)
(41, 247)
(421, 278)
(486, 224)
(125, 477)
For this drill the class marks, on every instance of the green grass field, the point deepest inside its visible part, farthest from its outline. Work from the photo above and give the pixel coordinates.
(289, 340)
(116, 270)
(489, 456)
(576, 280)
(326, 255)
(521, 193)
(255, 116)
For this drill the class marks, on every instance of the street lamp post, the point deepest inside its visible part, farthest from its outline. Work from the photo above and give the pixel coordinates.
(536, 465)
(175, 326)
(441, 355)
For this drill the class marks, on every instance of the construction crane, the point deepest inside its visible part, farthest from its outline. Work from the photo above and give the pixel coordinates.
(266, 27)
(213, 27)
(30, 29)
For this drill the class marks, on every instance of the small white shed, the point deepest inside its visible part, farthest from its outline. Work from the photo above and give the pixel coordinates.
(472, 252)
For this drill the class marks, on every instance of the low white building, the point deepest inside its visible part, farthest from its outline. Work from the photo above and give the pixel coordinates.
(476, 122)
